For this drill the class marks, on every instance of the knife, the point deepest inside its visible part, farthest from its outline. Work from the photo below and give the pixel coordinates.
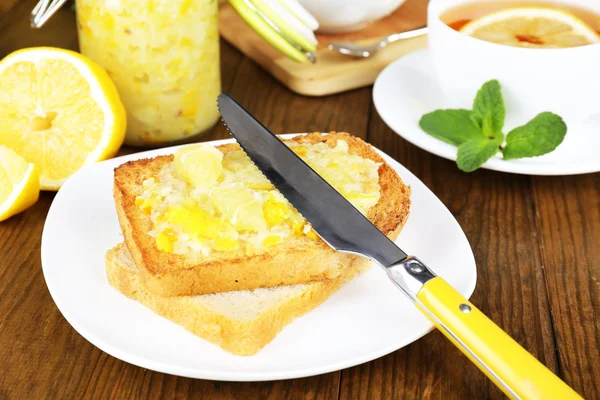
(516, 372)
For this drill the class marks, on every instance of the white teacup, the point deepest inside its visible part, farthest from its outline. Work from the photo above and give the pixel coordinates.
(564, 81)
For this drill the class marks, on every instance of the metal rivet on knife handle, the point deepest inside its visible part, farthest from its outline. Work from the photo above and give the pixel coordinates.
(465, 308)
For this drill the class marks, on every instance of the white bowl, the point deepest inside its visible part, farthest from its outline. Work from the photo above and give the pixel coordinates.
(336, 16)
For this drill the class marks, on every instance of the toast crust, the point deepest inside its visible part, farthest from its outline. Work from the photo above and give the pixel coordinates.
(297, 260)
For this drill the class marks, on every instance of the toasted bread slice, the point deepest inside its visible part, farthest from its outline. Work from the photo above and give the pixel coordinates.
(297, 260)
(241, 322)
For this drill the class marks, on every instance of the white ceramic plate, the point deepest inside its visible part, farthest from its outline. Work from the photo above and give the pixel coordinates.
(407, 89)
(366, 319)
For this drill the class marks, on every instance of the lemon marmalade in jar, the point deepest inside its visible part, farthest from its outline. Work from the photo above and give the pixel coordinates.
(163, 56)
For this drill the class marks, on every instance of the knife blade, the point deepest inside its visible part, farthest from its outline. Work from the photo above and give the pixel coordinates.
(334, 219)
(516, 372)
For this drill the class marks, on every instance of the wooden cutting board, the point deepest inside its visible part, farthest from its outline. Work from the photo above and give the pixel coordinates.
(333, 72)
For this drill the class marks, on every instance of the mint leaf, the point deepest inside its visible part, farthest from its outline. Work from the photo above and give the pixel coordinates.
(539, 136)
(473, 153)
(451, 126)
(488, 108)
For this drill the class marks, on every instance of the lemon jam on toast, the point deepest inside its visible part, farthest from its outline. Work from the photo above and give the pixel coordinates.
(209, 201)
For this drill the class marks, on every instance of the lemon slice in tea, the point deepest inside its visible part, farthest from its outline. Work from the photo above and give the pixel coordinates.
(532, 27)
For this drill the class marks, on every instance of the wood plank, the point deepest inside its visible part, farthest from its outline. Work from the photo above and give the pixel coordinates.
(6, 5)
(139, 383)
(568, 218)
(16, 33)
(496, 212)
(43, 356)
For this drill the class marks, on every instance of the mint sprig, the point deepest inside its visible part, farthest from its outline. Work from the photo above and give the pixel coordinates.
(478, 132)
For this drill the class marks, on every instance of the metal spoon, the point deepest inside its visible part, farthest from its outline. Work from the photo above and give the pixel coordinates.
(365, 51)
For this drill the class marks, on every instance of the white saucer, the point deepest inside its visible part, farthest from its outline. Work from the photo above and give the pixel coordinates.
(408, 88)
(366, 319)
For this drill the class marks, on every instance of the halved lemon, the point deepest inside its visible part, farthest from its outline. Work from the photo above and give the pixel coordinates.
(58, 110)
(533, 27)
(19, 183)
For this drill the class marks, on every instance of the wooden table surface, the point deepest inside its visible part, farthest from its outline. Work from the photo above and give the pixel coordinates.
(536, 241)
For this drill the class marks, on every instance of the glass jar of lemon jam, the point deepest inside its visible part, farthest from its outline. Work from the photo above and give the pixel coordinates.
(163, 56)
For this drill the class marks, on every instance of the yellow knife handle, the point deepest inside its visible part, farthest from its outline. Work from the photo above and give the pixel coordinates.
(516, 372)
(503, 360)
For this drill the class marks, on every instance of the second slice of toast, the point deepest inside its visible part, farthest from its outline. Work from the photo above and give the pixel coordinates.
(241, 322)
(295, 260)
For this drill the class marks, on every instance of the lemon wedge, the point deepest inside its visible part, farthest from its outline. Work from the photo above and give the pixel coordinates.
(19, 183)
(58, 110)
(533, 27)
